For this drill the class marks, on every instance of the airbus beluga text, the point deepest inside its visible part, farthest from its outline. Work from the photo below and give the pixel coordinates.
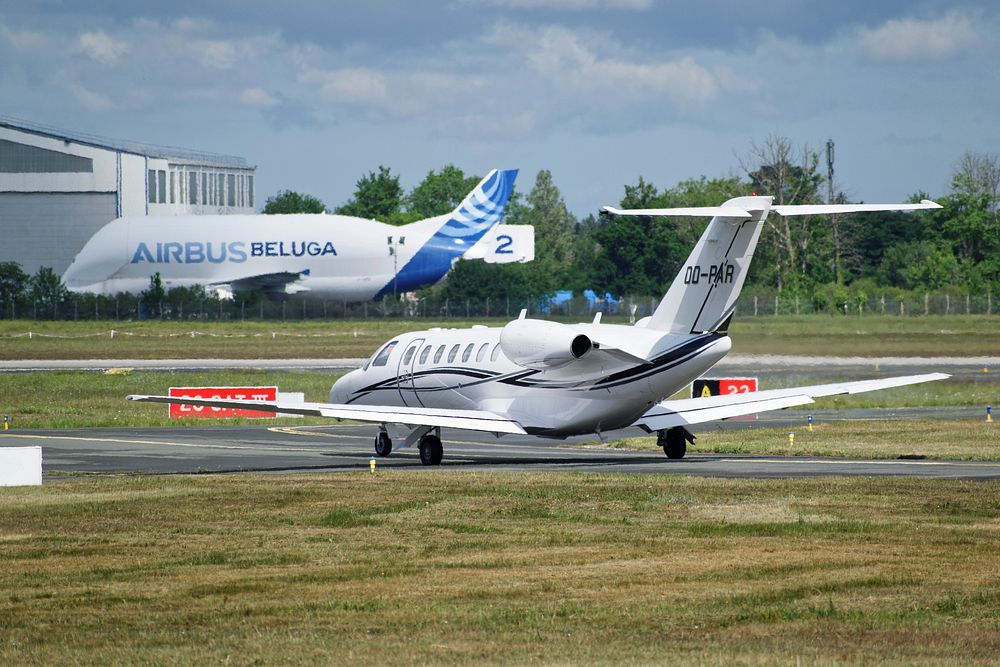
(555, 380)
(321, 256)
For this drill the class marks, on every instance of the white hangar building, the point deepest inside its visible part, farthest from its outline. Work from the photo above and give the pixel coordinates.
(58, 188)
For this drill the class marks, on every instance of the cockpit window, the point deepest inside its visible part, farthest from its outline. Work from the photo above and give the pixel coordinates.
(383, 357)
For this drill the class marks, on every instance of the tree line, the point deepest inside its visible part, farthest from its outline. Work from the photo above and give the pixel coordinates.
(822, 260)
(826, 262)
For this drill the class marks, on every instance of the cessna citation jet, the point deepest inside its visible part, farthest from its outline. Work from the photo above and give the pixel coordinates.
(316, 256)
(556, 380)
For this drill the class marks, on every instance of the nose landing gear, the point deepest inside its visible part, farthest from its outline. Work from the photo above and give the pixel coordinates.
(383, 443)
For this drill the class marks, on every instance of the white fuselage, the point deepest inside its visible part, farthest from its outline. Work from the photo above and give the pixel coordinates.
(333, 256)
(465, 369)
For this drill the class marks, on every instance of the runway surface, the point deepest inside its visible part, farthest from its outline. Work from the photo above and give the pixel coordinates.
(343, 448)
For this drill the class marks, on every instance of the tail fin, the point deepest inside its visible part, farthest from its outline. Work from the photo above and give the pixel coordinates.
(704, 293)
(481, 208)
(454, 233)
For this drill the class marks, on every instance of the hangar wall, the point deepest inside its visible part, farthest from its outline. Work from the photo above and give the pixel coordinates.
(58, 188)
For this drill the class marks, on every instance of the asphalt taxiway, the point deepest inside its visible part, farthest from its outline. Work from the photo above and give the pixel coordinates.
(345, 447)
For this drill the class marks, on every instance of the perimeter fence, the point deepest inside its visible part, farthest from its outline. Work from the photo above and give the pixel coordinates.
(752, 303)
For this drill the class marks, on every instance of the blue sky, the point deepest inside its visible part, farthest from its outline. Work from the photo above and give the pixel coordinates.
(598, 91)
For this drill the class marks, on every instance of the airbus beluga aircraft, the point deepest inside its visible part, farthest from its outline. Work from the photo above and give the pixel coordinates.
(555, 380)
(318, 256)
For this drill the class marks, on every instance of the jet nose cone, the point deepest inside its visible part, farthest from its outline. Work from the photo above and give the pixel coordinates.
(340, 392)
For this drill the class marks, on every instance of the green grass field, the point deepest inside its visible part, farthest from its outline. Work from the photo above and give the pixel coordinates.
(445, 568)
(977, 335)
(78, 399)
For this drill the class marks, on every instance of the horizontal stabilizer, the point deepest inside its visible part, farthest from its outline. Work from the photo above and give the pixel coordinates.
(691, 211)
(472, 420)
(668, 414)
(826, 209)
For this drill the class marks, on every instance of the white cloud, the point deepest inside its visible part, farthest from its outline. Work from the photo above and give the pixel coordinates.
(572, 62)
(191, 24)
(99, 47)
(23, 40)
(258, 98)
(913, 40)
(220, 54)
(570, 5)
(355, 85)
(91, 100)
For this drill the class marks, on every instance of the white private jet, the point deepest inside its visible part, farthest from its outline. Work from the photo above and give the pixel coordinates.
(555, 380)
(316, 256)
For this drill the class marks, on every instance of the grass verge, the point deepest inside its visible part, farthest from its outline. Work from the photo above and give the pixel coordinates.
(877, 439)
(956, 335)
(80, 399)
(502, 569)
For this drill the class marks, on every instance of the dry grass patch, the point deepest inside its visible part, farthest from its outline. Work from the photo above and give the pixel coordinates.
(499, 568)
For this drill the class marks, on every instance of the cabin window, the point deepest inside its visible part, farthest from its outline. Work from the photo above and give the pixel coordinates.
(424, 354)
(468, 352)
(437, 355)
(409, 355)
(496, 353)
(482, 352)
(382, 357)
(452, 353)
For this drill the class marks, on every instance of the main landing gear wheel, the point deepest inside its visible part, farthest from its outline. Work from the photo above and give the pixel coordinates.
(674, 442)
(383, 444)
(431, 451)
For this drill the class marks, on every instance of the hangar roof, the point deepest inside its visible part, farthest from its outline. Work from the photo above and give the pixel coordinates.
(174, 154)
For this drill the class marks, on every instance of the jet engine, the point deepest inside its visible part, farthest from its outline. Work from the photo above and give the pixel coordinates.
(540, 344)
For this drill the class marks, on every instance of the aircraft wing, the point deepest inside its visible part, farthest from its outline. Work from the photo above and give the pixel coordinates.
(668, 414)
(472, 420)
(281, 281)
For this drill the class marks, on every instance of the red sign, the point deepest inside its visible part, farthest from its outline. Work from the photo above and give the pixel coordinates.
(249, 393)
(722, 386)
(737, 385)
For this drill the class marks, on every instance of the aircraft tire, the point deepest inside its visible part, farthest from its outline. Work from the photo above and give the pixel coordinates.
(673, 442)
(383, 444)
(431, 451)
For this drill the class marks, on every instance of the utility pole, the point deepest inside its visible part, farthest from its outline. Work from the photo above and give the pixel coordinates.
(835, 230)
(394, 242)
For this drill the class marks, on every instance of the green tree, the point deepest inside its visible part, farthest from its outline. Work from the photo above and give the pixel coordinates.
(440, 192)
(554, 229)
(377, 196)
(789, 246)
(154, 296)
(641, 255)
(920, 264)
(48, 291)
(288, 201)
(13, 282)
